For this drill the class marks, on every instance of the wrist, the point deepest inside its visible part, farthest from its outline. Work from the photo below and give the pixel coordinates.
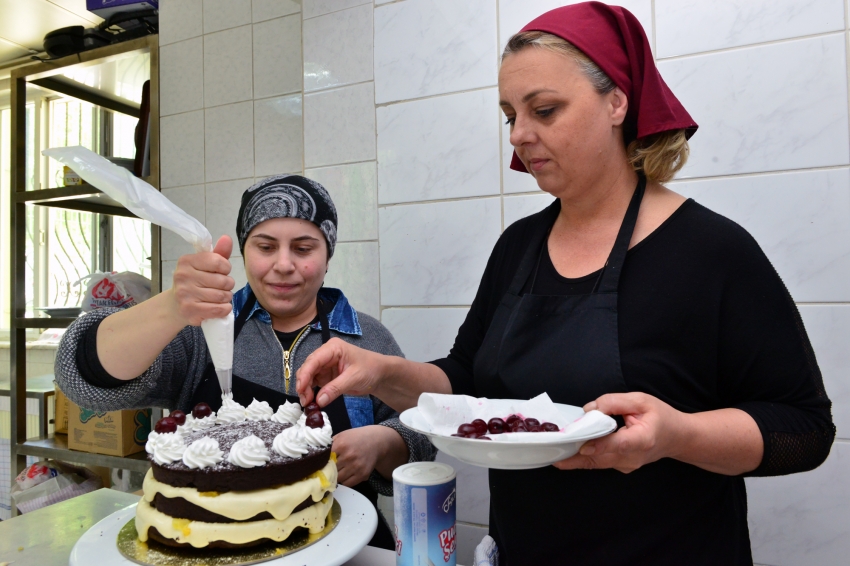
(169, 311)
(683, 431)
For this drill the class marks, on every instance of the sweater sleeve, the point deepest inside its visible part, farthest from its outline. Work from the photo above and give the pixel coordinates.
(768, 368)
(158, 386)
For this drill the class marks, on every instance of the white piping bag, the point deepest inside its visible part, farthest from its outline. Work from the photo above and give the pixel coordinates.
(146, 202)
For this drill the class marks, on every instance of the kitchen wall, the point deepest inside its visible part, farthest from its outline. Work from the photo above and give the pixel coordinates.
(393, 105)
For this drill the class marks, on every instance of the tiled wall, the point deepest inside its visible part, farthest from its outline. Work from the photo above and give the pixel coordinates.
(392, 105)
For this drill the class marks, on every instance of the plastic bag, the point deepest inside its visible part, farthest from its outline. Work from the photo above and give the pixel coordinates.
(115, 290)
(35, 474)
(146, 202)
(69, 482)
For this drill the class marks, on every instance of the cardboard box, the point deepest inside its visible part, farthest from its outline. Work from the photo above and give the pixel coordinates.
(105, 8)
(60, 412)
(116, 433)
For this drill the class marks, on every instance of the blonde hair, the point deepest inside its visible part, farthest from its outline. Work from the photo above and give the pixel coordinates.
(659, 156)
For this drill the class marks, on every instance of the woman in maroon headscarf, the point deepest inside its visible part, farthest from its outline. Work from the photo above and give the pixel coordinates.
(625, 297)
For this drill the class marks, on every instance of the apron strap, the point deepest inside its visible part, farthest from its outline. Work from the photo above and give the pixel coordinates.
(538, 239)
(610, 279)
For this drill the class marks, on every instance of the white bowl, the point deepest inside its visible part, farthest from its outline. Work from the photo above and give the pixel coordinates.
(515, 451)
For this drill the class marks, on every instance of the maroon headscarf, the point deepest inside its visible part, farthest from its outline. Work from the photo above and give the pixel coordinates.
(614, 39)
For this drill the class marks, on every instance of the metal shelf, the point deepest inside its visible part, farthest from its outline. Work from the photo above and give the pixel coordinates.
(42, 322)
(56, 446)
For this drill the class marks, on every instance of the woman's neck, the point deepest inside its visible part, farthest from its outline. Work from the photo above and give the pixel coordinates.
(294, 322)
(605, 198)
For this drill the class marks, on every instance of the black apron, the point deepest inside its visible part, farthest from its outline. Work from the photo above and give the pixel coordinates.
(568, 347)
(245, 391)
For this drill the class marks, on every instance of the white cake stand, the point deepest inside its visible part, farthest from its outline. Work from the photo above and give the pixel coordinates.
(356, 527)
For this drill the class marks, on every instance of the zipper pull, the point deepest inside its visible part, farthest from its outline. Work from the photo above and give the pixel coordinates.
(286, 369)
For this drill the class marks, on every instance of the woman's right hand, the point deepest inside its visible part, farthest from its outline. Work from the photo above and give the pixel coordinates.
(202, 285)
(339, 367)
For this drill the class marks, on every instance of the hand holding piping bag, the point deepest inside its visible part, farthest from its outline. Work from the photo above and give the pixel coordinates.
(147, 203)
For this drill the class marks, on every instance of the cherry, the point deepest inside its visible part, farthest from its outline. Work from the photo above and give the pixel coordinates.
(496, 426)
(480, 426)
(532, 422)
(311, 408)
(201, 411)
(512, 418)
(178, 416)
(517, 426)
(466, 429)
(315, 420)
(550, 427)
(166, 425)
(534, 428)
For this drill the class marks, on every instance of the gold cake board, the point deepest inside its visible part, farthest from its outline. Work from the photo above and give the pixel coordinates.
(154, 554)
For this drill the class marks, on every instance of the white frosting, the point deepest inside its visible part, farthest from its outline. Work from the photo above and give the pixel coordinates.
(291, 442)
(248, 452)
(203, 424)
(203, 453)
(319, 437)
(166, 448)
(151, 441)
(231, 411)
(288, 413)
(258, 411)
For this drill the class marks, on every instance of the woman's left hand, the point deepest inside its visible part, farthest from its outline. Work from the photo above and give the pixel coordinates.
(358, 451)
(651, 433)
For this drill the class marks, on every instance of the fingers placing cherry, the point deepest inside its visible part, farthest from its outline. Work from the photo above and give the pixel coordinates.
(315, 420)
(550, 427)
(166, 425)
(178, 416)
(480, 426)
(201, 411)
(496, 426)
(312, 408)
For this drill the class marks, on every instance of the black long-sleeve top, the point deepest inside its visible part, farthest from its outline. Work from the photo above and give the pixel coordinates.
(705, 323)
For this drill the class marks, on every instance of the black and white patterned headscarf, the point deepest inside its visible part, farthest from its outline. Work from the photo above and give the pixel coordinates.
(287, 196)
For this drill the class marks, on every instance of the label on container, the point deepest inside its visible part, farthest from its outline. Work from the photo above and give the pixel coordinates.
(425, 517)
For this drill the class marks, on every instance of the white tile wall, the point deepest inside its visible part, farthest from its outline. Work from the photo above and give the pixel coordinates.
(269, 9)
(438, 148)
(354, 190)
(181, 75)
(339, 126)
(227, 77)
(277, 57)
(424, 47)
(785, 107)
(800, 221)
(278, 135)
(192, 200)
(182, 149)
(225, 14)
(828, 327)
(434, 254)
(692, 26)
(354, 269)
(345, 60)
(424, 334)
(767, 81)
(229, 141)
(802, 519)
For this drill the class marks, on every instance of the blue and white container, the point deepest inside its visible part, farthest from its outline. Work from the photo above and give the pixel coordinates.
(424, 495)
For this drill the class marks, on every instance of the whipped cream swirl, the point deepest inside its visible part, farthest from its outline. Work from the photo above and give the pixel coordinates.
(258, 411)
(319, 437)
(203, 453)
(288, 413)
(248, 452)
(231, 411)
(149, 445)
(291, 443)
(166, 448)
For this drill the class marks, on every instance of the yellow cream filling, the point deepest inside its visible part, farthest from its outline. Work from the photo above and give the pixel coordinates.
(200, 534)
(242, 505)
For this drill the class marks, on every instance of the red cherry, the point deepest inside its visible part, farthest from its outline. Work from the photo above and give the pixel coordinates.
(312, 408)
(517, 426)
(532, 422)
(550, 427)
(201, 410)
(512, 418)
(496, 426)
(534, 428)
(315, 420)
(178, 416)
(466, 429)
(480, 426)
(166, 425)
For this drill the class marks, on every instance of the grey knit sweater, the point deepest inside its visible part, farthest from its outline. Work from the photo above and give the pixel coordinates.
(258, 356)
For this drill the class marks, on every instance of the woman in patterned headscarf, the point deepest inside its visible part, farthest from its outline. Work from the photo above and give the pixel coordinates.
(154, 354)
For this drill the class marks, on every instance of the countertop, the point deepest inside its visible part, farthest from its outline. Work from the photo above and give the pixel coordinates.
(45, 537)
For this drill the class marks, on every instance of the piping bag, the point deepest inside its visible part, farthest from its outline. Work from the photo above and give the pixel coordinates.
(148, 203)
